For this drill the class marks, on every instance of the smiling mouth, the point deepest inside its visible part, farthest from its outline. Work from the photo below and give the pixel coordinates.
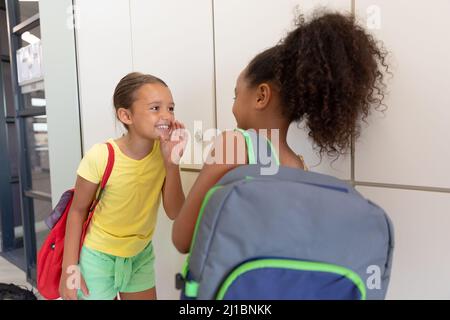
(163, 127)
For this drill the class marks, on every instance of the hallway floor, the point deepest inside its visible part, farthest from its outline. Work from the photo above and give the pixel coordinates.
(9, 273)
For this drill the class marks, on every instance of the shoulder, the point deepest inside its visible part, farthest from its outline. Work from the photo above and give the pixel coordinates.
(228, 152)
(98, 151)
(98, 148)
(96, 157)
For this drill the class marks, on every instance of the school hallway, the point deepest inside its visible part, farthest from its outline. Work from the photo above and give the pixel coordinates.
(60, 62)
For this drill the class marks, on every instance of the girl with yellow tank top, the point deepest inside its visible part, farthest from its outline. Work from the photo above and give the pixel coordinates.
(117, 254)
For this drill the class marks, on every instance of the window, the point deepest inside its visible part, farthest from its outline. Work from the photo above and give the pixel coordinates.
(27, 9)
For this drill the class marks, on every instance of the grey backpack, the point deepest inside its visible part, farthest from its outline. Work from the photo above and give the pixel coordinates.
(289, 235)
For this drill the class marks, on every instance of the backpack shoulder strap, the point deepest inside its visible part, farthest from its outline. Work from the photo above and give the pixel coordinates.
(109, 165)
(256, 148)
(106, 175)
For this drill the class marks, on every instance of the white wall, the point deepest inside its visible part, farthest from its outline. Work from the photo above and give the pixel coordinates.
(61, 90)
(181, 54)
(168, 262)
(103, 36)
(412, 136)
(408, 145)
(421, 262)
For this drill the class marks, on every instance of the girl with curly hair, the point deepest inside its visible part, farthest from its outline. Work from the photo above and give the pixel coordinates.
(328, 72)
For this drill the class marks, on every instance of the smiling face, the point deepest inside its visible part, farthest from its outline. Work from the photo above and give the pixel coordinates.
(152, 112)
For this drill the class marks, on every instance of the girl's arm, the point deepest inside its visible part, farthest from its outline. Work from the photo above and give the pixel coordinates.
(173, 195)
(172, 148)
(212, 171)
(84, 195)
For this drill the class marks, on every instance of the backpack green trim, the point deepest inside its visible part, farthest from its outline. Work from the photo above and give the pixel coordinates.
(249, 143)
(197, 224)
(293, 265)
(191, 289)
(251, 150)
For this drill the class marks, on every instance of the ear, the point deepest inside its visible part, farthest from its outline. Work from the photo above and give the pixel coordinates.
(124, 116)
(263, 96)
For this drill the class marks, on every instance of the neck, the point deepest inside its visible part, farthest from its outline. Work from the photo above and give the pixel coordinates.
(134, 146)
(276, 132)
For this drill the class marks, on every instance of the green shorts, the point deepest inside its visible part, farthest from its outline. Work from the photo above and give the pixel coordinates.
(106, 275)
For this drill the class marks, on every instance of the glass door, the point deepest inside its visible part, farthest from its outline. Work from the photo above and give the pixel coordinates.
(31, 121)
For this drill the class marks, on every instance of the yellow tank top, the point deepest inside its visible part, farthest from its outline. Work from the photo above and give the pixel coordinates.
(125, 219)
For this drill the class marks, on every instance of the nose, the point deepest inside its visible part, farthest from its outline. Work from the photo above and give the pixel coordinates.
(166, 115)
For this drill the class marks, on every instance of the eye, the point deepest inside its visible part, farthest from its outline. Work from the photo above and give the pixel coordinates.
(154, 108)
(171, 109)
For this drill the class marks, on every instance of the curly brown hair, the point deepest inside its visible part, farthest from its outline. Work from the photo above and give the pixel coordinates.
(329, 71)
